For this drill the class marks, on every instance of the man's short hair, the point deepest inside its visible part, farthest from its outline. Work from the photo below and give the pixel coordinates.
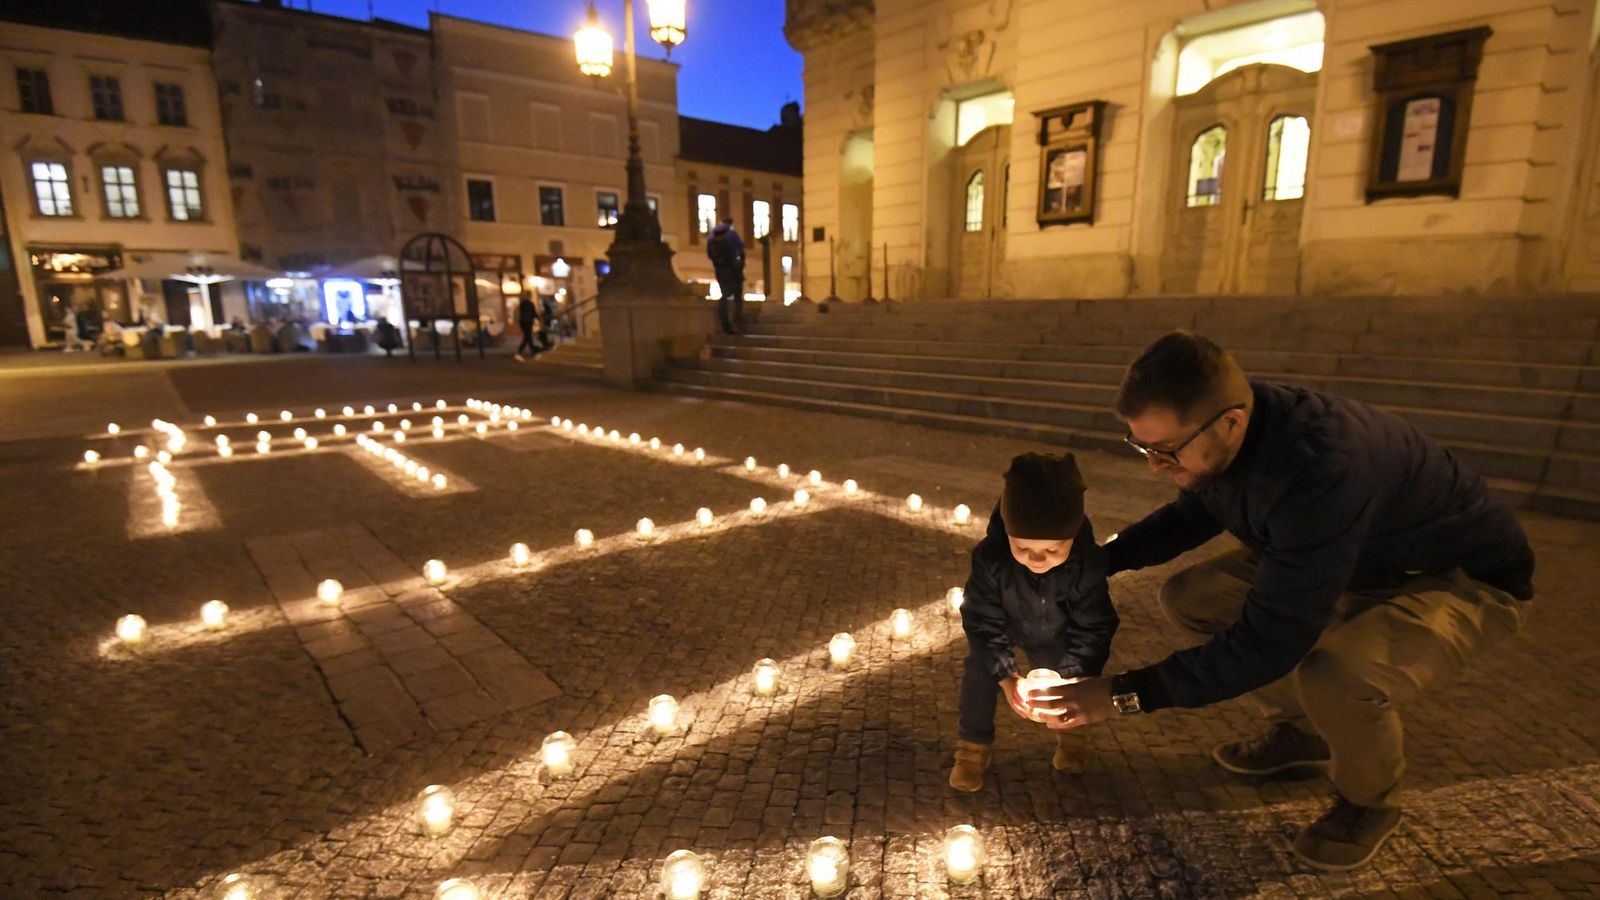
(1186, 373)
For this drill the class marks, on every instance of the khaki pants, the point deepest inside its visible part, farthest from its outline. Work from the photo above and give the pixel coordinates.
(1378, 652)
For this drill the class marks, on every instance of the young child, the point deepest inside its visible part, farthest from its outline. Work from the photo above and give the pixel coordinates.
(1038, 583)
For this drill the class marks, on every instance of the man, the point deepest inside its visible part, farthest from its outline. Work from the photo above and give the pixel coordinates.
(1374, 565)
(527, 315)
(726, 252)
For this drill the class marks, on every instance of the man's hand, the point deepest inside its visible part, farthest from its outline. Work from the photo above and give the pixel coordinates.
(1012, 686)
(1074, 705)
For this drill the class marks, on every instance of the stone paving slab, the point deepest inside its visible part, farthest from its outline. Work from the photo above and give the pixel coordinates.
(395, 677)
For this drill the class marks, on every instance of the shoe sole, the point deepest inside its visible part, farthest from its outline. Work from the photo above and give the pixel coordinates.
(1345, 867)
(1318, 764)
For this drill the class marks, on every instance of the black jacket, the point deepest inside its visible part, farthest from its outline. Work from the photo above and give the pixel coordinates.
(1332, 495)
(527, 313)
(1007, 605)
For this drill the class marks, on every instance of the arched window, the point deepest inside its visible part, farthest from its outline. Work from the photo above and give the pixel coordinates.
(1288, 143)
(1205, 166)
(975, 201)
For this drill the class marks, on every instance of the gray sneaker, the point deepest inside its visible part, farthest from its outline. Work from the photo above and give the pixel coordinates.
(1282, 746)
(1346, 836)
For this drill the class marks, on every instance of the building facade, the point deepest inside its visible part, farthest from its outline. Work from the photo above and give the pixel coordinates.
(1036, 148)
(539, 158)
(114, 152)
(754, 176)
(337, 152)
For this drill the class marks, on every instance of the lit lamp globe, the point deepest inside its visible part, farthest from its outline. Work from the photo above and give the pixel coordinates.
(955, 597)
(214, 614)
(520, 554)
(764, 678)
(667, 23)
(435, 571)
(584, 538)
(900, 623)
(962, 514)
(841, 648)
(663, 714)
(963, 854)
(436, 809)
(646, 529)
(457, 889)
(704, 517)
(556, 753)
(131, 628)
(330, 592)
(594, 48)
(828, 865)
(683, 876)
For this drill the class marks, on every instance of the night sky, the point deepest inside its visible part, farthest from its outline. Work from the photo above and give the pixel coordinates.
(736, 66)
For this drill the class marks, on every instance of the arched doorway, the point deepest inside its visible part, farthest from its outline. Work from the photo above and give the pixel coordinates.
(1237, 185)
(977, 218)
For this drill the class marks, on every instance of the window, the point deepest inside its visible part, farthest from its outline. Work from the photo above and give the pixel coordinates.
(791, 222)
(106, 92)
(183, 195)
(760, 218)
(52, 193)
(1205, 166)
(974, 218)
(480, 200)
(122, 192)
(1288, 142)
(705, 206)
(552, 207)
(170, 108)
(606, 209)
(33, 88)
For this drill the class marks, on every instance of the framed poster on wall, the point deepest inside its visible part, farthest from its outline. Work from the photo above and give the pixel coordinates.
(1424, 90)
(1069, 162)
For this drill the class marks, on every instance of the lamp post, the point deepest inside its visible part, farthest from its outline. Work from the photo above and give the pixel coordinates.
(640, 261)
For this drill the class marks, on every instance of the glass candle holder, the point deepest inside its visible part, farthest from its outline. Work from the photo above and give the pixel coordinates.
(436, 809)
(434, 570)
(802, 497)
(850, 486)
(814, 477)
(841, 649)
(914, 503)
(663, 714)
(241, 886)
(556, 753)
(828, 865)
(131, 628)
(683, 876)
(457, 889)
(520, 554)
(764, 678)
(330, 591)
(584, 538)
(758, 506)
(704, 517)
(955, 597)
(783, 470)
(646, 529)
(963, 854)
(962, 514)
(749, 463)
(214, 614)
(900, 624)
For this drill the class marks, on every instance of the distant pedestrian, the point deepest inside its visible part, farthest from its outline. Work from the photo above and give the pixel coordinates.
(74, 338)
(726, 252)
(527, 317)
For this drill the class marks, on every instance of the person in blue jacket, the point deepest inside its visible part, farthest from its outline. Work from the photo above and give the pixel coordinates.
(1371, 563)
(1038, 583)
(725, 249)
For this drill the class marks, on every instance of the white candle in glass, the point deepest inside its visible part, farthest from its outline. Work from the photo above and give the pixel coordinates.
(841, 648)
(764, 678)
(963, 854)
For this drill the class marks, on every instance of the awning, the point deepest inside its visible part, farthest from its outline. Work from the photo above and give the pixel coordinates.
(196, 268)
(367, 268)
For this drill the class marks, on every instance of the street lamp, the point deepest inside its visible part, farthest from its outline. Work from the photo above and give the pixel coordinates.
(640, 261)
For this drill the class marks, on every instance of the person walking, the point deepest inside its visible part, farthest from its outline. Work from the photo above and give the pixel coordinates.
(74, 337)
(1375, 564)
(726, 251)
(527, 315)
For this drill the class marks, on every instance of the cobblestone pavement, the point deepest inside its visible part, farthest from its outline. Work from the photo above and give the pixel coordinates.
(157, 768)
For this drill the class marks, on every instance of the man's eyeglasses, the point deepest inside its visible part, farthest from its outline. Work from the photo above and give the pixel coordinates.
(1170, 457)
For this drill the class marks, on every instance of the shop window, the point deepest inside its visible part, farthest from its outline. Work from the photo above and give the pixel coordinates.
(705, 206)
(121, 191)
(607, 209)
(791, 222)
(52, 193)
(183, 195)
(33, 90)
(1205, 166)
(1288, 144)
(760, 218)
(552, 207)
(480, 200)
(106, 92)
(170, 106)
(974, 217)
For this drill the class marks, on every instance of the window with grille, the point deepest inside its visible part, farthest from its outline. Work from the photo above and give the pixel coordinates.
(170, 107)
(106, 93)
(121, 190)
(974, 217)
(52, 193)
(183, 195)
(33, 90)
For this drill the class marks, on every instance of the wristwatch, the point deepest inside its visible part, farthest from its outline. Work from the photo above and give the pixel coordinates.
(1123, 695)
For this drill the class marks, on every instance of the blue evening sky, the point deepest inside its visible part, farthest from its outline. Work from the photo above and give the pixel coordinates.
(736, 66)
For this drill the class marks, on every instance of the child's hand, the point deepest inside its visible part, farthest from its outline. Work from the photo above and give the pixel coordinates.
(1012, 687)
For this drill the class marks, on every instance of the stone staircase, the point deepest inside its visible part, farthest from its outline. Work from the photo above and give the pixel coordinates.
(1513, 386)
(582, 359)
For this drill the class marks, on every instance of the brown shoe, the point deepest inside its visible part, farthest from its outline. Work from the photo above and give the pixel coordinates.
(1282, 746)
(1070, 756)
(971, 761)
(1346, 836)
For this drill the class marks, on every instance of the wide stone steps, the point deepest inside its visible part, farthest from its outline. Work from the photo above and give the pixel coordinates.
(581, 359)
